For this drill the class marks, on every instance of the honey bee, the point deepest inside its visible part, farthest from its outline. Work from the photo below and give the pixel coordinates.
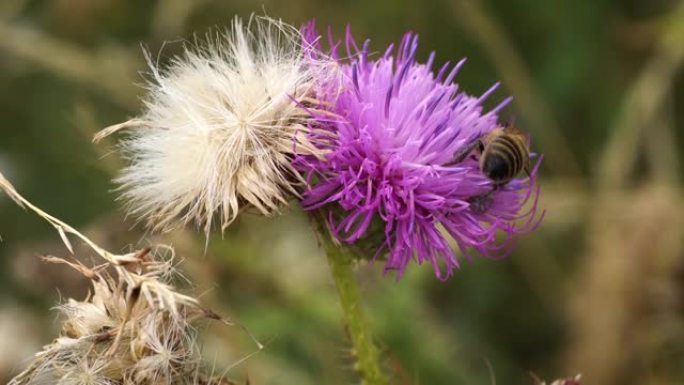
(503, 154)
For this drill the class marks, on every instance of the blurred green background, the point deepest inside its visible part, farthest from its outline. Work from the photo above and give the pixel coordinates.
(598, 289)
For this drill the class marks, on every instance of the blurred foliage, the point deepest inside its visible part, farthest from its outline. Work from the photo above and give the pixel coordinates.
(599, 289)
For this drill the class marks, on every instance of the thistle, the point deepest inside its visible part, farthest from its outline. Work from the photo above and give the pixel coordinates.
(134, 327)
(220, 128)
(390, 135)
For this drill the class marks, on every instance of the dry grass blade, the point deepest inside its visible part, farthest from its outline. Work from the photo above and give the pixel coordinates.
(90, 273)
(61, 227)
(6, 186)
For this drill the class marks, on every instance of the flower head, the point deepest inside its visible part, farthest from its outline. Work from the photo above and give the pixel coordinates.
(219, 129)
(391, 133)
(135, 326)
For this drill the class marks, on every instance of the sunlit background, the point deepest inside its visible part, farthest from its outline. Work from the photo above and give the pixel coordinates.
(598, 289)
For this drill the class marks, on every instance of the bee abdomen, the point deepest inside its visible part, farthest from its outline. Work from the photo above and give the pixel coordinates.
(503, 159)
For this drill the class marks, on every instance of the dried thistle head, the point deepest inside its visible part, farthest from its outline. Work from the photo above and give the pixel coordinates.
(221, 125)
(133, 328)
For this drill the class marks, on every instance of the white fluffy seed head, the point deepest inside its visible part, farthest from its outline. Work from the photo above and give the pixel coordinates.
(220, 128)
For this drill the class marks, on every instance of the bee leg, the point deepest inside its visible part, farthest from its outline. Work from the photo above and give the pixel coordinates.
(463, 153)
(481, 203)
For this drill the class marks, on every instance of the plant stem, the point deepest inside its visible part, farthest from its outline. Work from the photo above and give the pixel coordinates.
(366, 353)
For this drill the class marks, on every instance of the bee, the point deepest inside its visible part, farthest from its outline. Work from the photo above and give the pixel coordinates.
(503, 154)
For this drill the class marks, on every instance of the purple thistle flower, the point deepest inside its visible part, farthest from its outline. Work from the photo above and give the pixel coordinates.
(390, 129)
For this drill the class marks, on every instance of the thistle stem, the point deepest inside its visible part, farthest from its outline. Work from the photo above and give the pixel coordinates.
(366, 353)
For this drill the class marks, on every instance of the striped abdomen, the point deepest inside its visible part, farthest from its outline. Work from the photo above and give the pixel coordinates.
(504, 156)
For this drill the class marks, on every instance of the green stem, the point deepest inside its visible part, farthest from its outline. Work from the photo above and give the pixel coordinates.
(341, 263)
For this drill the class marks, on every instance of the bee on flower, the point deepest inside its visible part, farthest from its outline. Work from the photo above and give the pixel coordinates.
(393, 161)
